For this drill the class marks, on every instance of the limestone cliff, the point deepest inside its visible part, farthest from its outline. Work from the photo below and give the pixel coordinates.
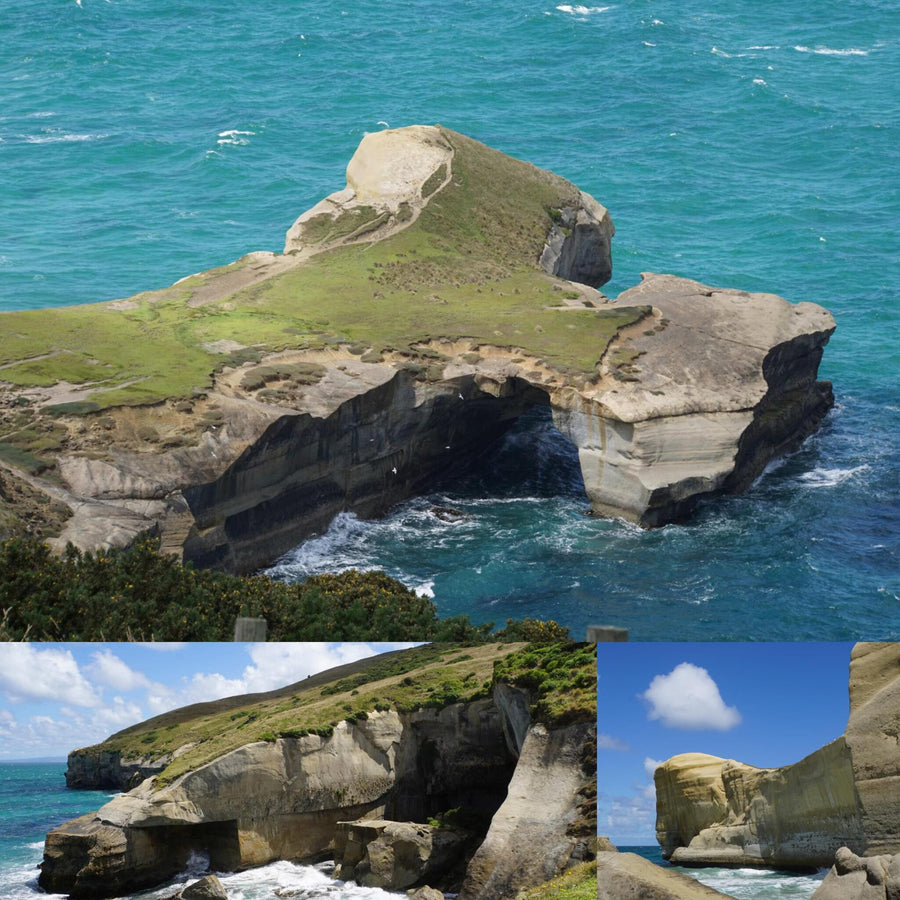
(712, 811)
(284, 796)
(411, 318)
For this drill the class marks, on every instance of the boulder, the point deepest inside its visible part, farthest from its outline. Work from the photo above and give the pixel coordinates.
(396, 855)
(855, 877)
(627, 876)
(425, 893)
(208, 888)
(712, 811)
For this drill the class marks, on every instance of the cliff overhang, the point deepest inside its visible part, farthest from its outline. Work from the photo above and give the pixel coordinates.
(292, 794)
(411, 318)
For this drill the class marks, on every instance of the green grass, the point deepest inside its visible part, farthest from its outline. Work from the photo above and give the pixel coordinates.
(467, 267)
(433, 675)
(562, 679)
(577, 883)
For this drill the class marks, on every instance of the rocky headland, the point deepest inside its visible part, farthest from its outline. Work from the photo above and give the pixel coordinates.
(466, 768)
(410, 319)
(718, 812)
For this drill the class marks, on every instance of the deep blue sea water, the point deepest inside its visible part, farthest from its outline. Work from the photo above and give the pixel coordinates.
(749, 146)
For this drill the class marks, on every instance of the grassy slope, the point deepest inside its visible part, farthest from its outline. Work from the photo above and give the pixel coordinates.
(578, 883)
(432, 675)
(466, 267)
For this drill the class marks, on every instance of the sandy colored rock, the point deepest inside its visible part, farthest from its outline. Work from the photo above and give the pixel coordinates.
(207, 888)
(855, 877)
(395, 855)
(528, 842)
(691, 394)
(627, 876)
(284, 798)
(847, 794)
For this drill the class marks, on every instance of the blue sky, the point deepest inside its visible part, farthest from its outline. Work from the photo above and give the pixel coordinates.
(762, 704)
(57, 697)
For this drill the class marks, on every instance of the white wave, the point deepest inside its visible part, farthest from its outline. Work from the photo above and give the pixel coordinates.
(830, 51)
(722, 53)
(764, 47)
(235, 137)
(761, 81)
(37, 845)
(62, 138)
(648, 44)
(823, 477)
(289, 879)
(425, 590)
(582, 10)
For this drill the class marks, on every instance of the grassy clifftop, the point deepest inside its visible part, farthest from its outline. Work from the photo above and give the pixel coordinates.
(427, 676)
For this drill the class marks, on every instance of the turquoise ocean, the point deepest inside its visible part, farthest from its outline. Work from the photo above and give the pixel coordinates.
(34, 799)
(744, 884)
(752, 146)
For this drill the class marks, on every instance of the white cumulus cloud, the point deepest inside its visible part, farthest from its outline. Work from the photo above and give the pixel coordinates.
(30, 673)
(113, 672)
(689, 699)
(608, 742)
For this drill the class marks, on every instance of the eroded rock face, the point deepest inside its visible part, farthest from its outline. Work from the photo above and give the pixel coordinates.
(696, 399)
(531, 838)
(712, 811)
(107, 769)
(693, 400)
(283, 799)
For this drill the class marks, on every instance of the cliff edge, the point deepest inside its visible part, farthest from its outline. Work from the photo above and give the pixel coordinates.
(411, 318)
(407, 738)
(712, 811)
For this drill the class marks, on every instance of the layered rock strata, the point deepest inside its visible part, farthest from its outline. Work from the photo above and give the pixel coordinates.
(285, 798)
(712, 811)
(683, 392)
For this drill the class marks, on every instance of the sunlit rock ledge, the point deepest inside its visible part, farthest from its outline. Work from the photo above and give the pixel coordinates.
(411, 318)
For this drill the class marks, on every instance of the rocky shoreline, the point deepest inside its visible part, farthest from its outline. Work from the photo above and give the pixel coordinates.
(364, 792)
(674, 392)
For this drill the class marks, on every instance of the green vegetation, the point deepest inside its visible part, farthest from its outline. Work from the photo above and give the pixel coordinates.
(466, 267)
(561, 677)
(577, 883)
(463, 818)
(138, 594)
(311, 707)
(404, 680)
